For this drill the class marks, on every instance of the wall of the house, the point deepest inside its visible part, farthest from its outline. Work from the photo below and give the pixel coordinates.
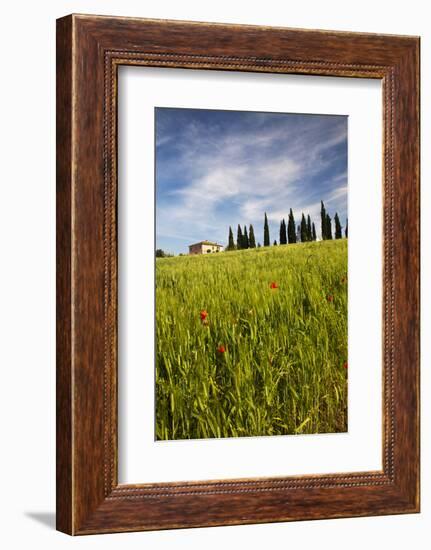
(195, 249)
(204, 248)
(209, 247)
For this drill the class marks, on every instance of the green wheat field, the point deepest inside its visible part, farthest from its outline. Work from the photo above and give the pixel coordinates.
(252, 342)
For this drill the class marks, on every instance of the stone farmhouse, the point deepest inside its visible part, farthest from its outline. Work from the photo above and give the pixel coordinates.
(205, 247)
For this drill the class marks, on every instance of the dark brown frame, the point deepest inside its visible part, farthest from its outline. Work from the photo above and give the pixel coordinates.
(89, 51)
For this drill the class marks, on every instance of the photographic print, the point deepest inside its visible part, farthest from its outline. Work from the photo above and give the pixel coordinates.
(251, 273)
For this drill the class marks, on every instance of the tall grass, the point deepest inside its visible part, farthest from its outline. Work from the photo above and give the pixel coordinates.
(264, 361)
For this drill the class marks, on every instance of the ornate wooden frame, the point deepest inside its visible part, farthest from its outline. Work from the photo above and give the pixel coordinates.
(89, 51)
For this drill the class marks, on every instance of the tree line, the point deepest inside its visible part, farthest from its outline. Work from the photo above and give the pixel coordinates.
(289, 233)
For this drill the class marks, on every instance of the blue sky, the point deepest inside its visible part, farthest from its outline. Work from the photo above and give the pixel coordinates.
(215, 169)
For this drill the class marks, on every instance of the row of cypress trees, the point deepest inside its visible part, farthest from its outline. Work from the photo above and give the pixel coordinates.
(326, 225)
(306, 231)
(244, 239)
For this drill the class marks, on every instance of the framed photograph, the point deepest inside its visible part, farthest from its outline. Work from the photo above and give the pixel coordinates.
(237, 274)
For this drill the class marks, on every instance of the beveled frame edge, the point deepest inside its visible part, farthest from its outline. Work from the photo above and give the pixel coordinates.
(89, 499)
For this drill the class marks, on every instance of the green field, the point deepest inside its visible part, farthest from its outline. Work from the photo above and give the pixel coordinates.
(258, 361)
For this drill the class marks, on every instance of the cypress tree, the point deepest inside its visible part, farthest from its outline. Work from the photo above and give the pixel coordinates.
(298, 234)
(303, 229)
(275, 243)
(239, 238)
(338, 234)
(309, 233)
(323, 220)
(251, 239)
(328, 228)
(313, 231)
(291, 231)
(266, 232)
(289, 227)
(347, 224)
(245, 243)
(258, 245)
(283, 234)
(231, 242)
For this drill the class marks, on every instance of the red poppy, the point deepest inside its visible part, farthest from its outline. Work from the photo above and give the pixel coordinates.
(330, 298)
(273, 285)
(204, 315)
(345, 365)
(221, 349)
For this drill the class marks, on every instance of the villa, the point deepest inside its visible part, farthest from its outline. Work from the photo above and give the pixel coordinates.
(205, 247)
